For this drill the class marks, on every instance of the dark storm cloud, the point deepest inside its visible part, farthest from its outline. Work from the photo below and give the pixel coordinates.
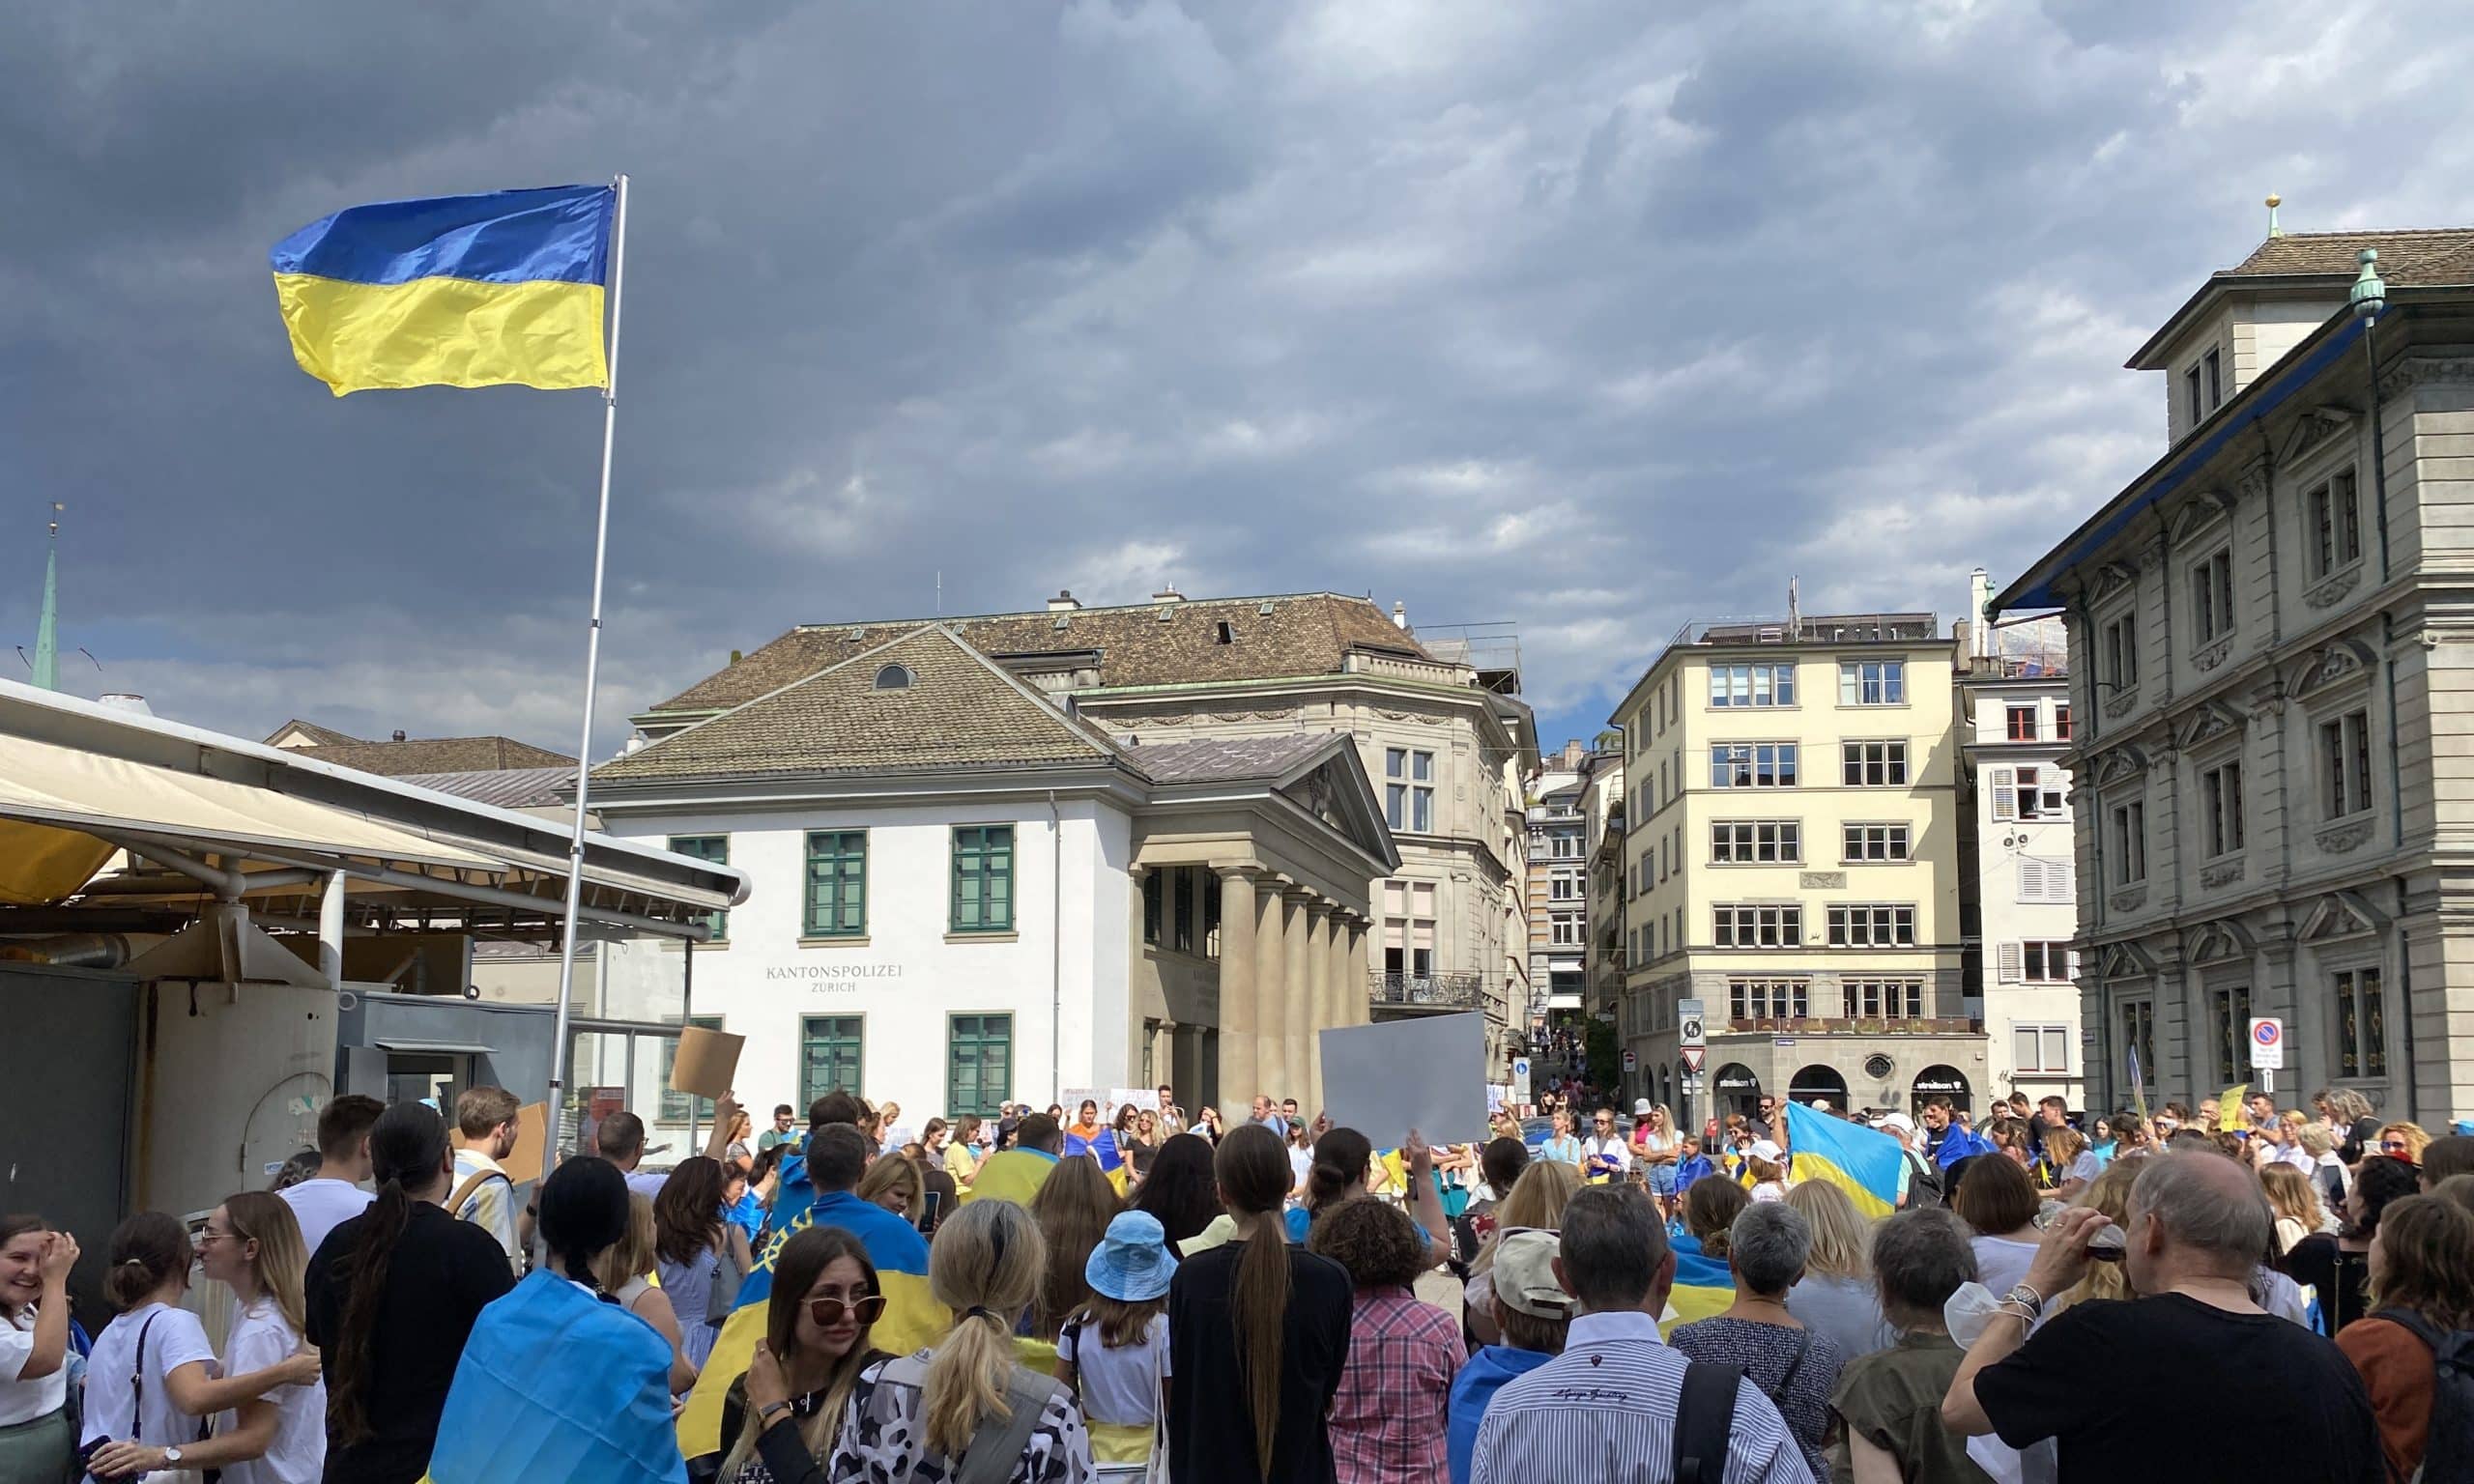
(1591, 317)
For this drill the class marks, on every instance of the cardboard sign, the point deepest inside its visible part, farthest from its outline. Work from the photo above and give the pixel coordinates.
(1445, 1103)
(525, 1162)
(1140, 1097)
(707, 1062)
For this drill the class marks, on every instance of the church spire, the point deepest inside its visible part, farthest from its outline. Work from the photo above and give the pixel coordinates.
(47, 629)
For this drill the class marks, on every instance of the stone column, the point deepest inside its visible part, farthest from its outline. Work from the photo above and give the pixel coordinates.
(1319, 978)
(1297, 992)
(1356, 1001)
(1270, 994)
(1238, 989)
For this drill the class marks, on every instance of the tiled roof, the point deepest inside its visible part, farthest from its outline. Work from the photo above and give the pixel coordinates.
(322, 736)
(2424, 256)
(959, 709)
(1227, 759)
(436, 755)
(1269, 638)
(505, 788)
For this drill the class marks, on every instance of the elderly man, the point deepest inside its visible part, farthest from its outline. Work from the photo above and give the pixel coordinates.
(2091, 1377)
(1617, 1392)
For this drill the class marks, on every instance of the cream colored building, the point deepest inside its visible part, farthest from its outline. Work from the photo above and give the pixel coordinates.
(1792, 861)
(2273, 682)
(1558, 884)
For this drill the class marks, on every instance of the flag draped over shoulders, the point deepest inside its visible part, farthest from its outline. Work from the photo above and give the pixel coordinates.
(1703, 1286)
(453, 291)
(912, 1319)
(1861, 1161)
(1012, 1175)
(556, 1387)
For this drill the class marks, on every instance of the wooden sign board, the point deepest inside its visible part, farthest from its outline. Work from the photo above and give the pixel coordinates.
(524, 1163)
(707, 1062)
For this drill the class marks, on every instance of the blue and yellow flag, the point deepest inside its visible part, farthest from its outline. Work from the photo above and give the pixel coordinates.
(912, 1319)
(1703, 1286)
(453, 291)
(1864, 1162)
(555, 1386)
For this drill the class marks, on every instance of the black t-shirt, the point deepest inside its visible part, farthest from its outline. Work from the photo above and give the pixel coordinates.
(1213, 1439)
(441, 1275)
(2172, 1388)
(2341, 1277)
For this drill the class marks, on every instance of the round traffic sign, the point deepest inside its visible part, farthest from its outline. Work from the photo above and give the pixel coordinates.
(2266, 1032)
(1692, 1030)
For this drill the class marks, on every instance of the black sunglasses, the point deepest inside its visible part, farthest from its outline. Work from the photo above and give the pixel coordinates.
(828, 1311)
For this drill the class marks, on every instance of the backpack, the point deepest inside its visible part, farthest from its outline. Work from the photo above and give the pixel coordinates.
(2450, 1452)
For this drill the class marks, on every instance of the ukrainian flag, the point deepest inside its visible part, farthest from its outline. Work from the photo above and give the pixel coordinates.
(912, 1319)
(556, 1387)
(1861, 1161)
(1704, 1286)
(453, 291)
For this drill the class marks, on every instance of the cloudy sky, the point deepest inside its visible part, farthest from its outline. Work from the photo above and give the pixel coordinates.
(1590, 317)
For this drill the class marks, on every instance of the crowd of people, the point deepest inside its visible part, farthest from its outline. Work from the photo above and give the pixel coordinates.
(1129, 1288)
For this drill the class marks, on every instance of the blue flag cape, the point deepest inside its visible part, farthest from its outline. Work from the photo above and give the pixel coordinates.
(558, 1388)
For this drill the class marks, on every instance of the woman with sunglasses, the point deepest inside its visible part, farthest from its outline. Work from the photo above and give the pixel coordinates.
(2404, 1141)
(780, 1422)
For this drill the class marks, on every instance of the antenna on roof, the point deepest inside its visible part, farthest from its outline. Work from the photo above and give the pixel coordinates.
(2274, 201)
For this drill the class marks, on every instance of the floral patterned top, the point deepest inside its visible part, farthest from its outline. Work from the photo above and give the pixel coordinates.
(884, 1439)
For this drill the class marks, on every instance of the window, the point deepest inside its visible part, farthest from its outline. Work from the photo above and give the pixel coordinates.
(2362, 1028)
(1564, 929)
(979, 1067)
(2139, 1041)
(832, 1055)
(984, 878)
(1752, 685)
(2062, 722)
(1752, 765)
(2212, 595)
(2336, 524)
(837, 883)
(674, 1105)
(894, 678)
(1155, 900)
(1408, 791)
(2022, 724)
(2044, 880)
(2041, 1049)
(1566, 845)
(2230, 1030)
(1872, 682)
(2190, 390)
(1184, 931)
(1873, 764)
(1210, 913)
(2345, 764)
(2037, 962)
(1746, 841)
(2221, 795)
(712, 850)
(1768, 999)
(1408, 928)
(2130, 844)
(1873, 842)
(1884, 999)
(1872, 924)
(1564, 886)
(1745, 926)
(2029, 793)
(2215, 381)
(2121, 652)
(1223, 633)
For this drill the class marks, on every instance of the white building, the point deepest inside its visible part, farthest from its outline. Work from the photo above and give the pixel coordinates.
(2018, 893)
(962, 894)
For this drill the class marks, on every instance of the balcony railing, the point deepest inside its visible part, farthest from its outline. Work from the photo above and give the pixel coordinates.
(1427, 991)
(1818, 1025)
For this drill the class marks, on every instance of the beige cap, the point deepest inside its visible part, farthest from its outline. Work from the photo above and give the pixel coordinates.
(1524, 1275)
(1220, 1233)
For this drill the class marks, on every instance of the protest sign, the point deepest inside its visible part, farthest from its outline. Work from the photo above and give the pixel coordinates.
(1445, 1101)
(707, 1062)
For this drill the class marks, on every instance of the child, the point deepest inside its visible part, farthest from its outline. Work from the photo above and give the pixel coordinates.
(1692, 1167)
(1114, 1352)
(1765, 1170)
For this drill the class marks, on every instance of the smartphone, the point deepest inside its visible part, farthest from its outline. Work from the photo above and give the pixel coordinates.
(930, 1206)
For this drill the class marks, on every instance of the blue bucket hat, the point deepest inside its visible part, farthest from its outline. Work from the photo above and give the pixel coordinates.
(1130, 1264)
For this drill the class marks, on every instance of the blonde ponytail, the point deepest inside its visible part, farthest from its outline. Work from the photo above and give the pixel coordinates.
(986, 1266)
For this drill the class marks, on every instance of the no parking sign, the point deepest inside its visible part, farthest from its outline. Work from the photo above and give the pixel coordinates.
(2268, 1045)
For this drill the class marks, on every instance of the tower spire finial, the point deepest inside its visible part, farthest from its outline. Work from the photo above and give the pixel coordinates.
(48, 628)
(2274, 201)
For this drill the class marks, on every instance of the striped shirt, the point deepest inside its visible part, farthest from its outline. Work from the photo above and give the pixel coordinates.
(1604, 1411)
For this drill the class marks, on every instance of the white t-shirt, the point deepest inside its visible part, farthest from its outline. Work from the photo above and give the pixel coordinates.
(1300, 1162)
(2002, 1264)
(298, 1452)
(322, 1205)
(23, 1401)
(647, 1182)
(175, 1339)
(1119, 1385)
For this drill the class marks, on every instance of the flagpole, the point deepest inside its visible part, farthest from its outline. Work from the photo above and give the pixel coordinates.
(591, 676)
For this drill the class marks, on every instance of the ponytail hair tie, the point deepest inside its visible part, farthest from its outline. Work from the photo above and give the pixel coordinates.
(980, 1311)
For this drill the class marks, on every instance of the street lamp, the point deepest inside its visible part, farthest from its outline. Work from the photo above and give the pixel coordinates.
(2368, 298)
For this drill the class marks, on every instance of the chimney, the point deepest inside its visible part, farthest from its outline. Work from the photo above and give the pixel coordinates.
(734, 656)
(1168, 594)
(1065, 602)
(399, 736)
(1400, 616)
(1979, 625)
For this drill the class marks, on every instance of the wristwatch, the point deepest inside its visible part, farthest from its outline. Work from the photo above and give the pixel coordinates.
(172, 1458)
(771, 1409)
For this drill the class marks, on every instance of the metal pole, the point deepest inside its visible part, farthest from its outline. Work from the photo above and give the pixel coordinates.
(591, 676)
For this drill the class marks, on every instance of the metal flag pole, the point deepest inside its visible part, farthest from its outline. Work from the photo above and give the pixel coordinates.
(556, 1119)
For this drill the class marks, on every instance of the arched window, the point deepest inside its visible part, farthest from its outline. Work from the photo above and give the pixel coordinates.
(894, 678)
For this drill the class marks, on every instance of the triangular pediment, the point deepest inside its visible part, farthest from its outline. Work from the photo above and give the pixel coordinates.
(2206, 723)
(2341, 915)
(2129, 760)
(1337, 793)
(2335, 664)
(2200, 514)
(2123, 960)
(2314, 429)
(2218, 942)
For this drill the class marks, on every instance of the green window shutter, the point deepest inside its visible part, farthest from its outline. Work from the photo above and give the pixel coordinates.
(979, 1071)
(712, 850)
(837, 887)
(983, 891)
(832, 1055)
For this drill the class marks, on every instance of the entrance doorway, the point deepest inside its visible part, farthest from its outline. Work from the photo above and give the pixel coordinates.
(1942, 1082)
(1819, 1083)
(1735, 1090)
